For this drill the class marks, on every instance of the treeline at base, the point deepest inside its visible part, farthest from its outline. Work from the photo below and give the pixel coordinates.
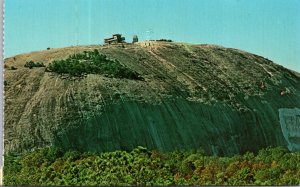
(50, 166)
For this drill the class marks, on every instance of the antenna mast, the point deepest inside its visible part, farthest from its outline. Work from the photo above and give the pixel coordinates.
(149, 34)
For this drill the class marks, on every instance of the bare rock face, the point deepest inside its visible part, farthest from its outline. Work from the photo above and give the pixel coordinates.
(290, 126)
(222, 100)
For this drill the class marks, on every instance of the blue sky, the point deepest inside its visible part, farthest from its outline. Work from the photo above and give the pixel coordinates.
(270, 28)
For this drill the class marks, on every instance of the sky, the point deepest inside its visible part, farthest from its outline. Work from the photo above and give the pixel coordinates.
(270, 28)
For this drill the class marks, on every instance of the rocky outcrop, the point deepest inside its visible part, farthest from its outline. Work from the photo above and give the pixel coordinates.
(222, 100)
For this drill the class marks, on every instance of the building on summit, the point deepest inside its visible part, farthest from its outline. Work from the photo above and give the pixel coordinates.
(117, 38)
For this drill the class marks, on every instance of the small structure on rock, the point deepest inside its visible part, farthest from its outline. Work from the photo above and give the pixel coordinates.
(135, 39)
(117, 38)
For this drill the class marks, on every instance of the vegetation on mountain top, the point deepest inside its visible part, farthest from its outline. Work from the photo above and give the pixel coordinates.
(92, 62)
(50, 166)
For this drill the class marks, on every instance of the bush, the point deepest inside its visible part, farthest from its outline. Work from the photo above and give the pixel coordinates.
(32, 64)
(49, 166)
(164, 40)
(12, 167)
(92, 62)
(13, 68)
